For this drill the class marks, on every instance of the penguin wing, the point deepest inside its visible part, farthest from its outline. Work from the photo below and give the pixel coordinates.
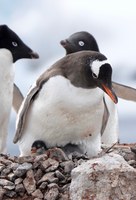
(105, 117)
(124, 92)
(23, 112)
(17, 98)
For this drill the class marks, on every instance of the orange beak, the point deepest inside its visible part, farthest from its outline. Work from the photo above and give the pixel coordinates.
(110, 93)
(33, 150)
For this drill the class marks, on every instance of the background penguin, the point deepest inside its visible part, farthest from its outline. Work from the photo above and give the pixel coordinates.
(85, 41)
(12, 49)
(65, 105)
(81, 41)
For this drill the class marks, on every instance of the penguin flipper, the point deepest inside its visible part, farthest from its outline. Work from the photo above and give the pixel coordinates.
(23, 112)
(17, 98)
(105, 117)
(124, 92)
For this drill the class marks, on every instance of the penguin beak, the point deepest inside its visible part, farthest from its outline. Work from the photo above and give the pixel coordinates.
(34, 55)
(110, 93)
(33, 150)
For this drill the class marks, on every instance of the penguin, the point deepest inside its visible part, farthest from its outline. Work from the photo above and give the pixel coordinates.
(65, 104)
(12, 49)
(83, 40)
(38, 147)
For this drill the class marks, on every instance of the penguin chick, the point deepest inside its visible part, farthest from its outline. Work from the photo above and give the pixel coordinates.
(38, 147)
(65, 105)
(12, 49)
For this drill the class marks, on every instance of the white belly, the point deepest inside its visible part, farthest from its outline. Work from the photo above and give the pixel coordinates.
(63, 114)
(6, 94)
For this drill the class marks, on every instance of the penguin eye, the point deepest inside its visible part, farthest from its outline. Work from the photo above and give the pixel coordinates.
(94, 75)
(81, 43)
(15, 44)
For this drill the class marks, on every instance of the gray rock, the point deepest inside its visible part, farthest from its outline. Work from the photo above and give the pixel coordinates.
(52, 194)
(2, 192)
(38, 194)
(10, 194)
(26, 159)
(48, 177)
(59, 175)
(22, 169)
(20, 188)
(68, 166)
(106, 177)
(29, 182)
(4, 182)
(53, 165)
(38, 174)
(9, 187)
(18, 181)
(53, 185)
(11, 177)
(57, 154)
(5, 171)
(43, 185)
(1, 167)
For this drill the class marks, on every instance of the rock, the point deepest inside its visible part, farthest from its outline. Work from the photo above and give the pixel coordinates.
(38, 194)
(10, 193)
(57, 154)
(68, 166)
(52, 194)
(5, 171)
(59, 175)
(26, 159)
(107, 177)
(11, 177)
(1, 167)
(43, 185)
(18, 181)
(29, 182)
(2, 192)
(53, 185)
(20, 188)
(53, 165)
(4, 182)
(38, 174)
(48, 177)
(22, 169)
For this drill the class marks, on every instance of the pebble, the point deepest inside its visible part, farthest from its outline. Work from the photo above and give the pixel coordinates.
(29, 182)
(52, 194)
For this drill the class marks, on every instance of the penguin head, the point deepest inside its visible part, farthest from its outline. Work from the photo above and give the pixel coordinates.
(101, 72)
(10, 40)
(79, 41)
(38, 147)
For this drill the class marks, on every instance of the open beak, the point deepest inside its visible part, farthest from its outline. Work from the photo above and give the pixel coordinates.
(34, 55)
(110, 93)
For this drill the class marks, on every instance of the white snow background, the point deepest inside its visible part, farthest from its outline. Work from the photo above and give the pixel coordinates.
(42, 24)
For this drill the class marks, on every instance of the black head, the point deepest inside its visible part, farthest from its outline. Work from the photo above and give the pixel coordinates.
(88, 70)
(102, 75)
(38, 145)
(10, 40)
(80, 41)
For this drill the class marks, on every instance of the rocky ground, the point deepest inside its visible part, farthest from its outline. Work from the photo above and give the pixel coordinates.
(47, 176)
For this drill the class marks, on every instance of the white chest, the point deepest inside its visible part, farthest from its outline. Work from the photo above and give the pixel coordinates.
(6, 79)
(63, 113)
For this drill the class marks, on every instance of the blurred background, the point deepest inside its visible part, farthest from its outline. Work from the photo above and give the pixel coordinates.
(42, 24)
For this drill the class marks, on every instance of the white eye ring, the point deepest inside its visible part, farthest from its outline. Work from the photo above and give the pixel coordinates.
(14, 44)
(94, 75)
(81, 43)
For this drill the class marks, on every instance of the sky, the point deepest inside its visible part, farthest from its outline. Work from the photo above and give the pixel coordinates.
(42, 24)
